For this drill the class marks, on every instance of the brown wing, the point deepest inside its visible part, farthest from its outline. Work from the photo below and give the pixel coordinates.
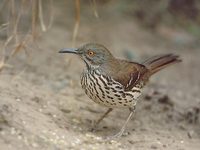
(130, 74)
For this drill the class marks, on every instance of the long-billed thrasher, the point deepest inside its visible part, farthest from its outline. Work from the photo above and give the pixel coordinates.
(113, 82)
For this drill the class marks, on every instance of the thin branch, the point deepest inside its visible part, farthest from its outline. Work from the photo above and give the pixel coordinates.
(77, 22)
(12, 17)
(34, 18)
(3, 4)
(51, 14)
(4, 65)
(15, 28)
(95, 9)
(21, 45)
(3, 26)
(41, 17)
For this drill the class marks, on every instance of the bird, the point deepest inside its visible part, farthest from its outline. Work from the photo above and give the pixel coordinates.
(113, 82)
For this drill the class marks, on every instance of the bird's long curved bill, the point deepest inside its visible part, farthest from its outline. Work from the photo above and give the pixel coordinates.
(68, 50)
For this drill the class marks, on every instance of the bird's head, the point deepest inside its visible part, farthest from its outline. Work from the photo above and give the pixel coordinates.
(94, 55)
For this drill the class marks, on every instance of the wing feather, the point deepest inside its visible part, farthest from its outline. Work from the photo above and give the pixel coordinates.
(130, 74)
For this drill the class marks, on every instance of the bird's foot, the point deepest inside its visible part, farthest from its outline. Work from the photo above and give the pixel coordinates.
(94, 127)
(113, 137)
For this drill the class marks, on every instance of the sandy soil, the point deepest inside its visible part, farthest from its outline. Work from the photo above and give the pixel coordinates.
(42, 105)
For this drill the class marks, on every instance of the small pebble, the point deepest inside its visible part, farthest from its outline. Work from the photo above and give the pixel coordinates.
(18, 100)
(154, 147)
(181, 141)
(35, 145)
(148, 97)
(165, 100)
(190, 134)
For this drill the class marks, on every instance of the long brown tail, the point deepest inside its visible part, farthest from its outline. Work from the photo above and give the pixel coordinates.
(157, 63)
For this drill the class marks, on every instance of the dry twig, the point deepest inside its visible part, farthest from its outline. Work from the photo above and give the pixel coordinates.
(77, 22)
(94, 6)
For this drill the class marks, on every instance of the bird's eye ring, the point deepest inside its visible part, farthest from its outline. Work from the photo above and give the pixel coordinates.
(90, 53)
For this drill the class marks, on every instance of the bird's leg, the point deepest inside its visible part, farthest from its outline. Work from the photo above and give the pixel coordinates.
(101, 118)
(132, 111)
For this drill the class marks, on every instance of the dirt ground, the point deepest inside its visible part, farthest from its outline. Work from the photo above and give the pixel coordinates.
(42, 105)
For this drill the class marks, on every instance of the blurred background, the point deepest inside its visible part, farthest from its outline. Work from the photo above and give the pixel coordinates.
(42, 105)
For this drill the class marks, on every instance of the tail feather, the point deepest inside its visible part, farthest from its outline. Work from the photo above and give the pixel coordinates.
(157, 63)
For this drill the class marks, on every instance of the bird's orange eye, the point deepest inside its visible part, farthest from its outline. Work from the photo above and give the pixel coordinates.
(90, 53)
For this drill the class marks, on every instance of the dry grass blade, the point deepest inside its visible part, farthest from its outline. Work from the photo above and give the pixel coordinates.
(77, 22)
(7, 42)
(2, 62)
(94, 6)
(19, 74)
(3, 26)
(3, 65)
(15, 28)
(34, 18)
(3, 4)
(16, 10)
(51, 15)
(21, 45)
(41, 16)
(12, 17)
